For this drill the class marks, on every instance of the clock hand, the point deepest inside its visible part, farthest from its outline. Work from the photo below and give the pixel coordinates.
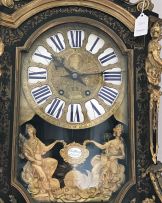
(95, 73)
(68, 69)
(75, 76)
(59, 62)
(86, 74)
(81, 80)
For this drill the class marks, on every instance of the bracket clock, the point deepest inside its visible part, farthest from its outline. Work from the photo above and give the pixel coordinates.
(79, 100)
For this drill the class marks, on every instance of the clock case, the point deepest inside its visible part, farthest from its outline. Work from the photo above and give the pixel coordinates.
(27, 17)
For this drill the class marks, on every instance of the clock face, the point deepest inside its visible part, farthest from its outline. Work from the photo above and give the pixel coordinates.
(74, 75)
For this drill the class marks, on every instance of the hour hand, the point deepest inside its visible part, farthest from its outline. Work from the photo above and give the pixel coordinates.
(81, 81)
(59, 62)
(75, 76)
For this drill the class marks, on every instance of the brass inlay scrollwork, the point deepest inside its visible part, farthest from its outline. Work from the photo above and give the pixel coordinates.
(154, 69)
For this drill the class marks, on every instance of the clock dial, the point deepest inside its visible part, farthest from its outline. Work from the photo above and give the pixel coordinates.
(73, 76)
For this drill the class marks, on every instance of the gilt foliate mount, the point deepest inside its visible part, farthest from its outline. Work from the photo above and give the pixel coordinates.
(75, 86)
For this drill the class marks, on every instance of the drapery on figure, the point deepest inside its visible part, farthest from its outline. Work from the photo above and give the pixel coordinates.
(38, 171)
(153, 61)
(107, 173)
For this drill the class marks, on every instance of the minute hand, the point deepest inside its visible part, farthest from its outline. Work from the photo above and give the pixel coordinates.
(59, 62)
(85, 74)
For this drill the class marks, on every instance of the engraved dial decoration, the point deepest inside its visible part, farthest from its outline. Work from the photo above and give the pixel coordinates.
(73, 75)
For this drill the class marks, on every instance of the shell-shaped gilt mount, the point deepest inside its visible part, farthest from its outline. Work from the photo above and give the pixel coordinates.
(7, 3)
(74, 153)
